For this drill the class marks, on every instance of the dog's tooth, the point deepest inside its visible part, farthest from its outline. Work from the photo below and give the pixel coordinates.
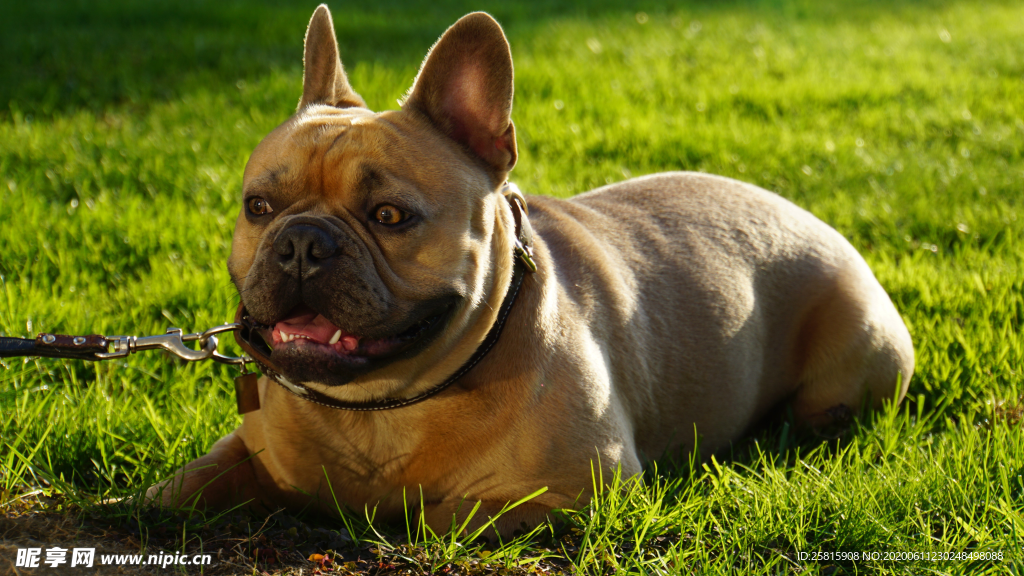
(335, 338)
(287, 337)
(350, 343)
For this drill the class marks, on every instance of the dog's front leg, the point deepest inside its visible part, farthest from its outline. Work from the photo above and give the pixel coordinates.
(223, 478)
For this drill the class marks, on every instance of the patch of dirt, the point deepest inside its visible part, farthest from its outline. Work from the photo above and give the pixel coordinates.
(240, 544)
(145, 545)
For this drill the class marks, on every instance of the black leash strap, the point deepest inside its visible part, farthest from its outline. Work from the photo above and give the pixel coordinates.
(55, 346)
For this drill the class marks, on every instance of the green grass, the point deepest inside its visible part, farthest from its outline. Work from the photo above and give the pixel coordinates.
(125, 126)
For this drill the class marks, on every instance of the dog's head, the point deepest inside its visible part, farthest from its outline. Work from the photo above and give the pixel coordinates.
(375, 248)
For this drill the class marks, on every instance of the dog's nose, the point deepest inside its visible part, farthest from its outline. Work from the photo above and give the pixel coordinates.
(304, 249)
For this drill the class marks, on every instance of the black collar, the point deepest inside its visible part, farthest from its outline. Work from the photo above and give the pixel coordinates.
(524, 264)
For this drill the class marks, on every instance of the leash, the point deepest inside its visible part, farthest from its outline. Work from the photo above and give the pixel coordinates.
(94, 347)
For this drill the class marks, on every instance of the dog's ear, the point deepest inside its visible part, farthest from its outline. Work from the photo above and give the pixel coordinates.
(465, 88)
(323, 78)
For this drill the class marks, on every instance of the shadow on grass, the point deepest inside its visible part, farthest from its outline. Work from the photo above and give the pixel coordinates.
(65, 55)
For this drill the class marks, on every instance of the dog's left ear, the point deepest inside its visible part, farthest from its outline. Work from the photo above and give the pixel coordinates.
(465, 88)
(323, 77)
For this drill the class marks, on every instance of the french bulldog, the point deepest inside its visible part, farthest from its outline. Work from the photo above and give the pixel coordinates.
(429, 338)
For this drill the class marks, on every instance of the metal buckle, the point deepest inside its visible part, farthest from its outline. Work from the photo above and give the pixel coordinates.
(122, 347)
(525, 255)
(510, 189)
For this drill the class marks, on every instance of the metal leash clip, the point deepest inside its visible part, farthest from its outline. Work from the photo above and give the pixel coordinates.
(173, 341)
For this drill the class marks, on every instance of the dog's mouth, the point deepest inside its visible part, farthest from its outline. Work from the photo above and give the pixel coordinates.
(309, 346)
(304, 328)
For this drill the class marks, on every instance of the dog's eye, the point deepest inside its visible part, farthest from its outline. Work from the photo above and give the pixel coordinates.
(389, 215)
(258, 206)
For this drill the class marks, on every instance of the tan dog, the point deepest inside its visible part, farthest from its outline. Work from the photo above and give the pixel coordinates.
(375, 253)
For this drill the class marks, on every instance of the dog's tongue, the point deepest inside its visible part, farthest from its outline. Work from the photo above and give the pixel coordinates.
(307, 323)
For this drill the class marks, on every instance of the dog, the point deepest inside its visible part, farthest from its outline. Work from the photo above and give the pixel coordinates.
(429, 337)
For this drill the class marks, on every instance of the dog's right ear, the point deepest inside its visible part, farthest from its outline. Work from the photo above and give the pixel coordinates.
(323, 77)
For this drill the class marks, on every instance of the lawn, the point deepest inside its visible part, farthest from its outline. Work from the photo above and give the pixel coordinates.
(125, 125)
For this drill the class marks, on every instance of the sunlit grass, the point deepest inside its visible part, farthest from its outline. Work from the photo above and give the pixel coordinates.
(902, 126)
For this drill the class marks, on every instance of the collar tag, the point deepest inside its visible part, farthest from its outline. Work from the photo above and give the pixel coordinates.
(247, 392)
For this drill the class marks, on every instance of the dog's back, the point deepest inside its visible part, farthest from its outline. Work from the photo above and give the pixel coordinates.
(718, 300)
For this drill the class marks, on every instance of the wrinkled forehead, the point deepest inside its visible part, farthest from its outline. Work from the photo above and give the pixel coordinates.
(323, 149)
(315, 135)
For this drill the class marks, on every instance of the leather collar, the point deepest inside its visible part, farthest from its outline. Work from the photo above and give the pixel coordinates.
(524, 264)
